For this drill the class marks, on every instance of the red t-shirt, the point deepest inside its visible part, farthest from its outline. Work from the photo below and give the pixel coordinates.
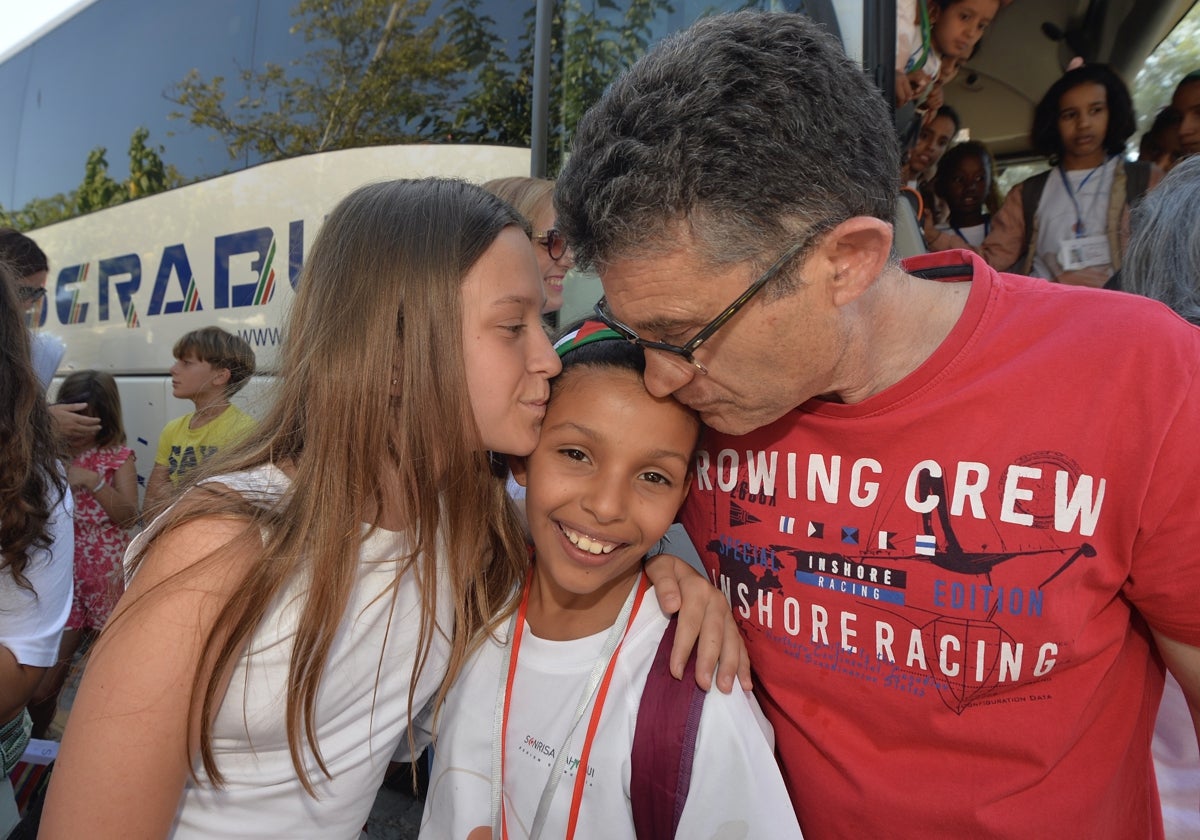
(943, 587)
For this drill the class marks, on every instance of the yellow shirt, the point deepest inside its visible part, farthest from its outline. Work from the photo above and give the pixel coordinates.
(181, 449)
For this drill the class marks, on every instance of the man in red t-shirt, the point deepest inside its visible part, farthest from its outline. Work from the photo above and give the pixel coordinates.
(954, 511)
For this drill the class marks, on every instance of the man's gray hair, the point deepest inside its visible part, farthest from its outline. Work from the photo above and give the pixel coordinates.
(746, 131)
(1163, 259)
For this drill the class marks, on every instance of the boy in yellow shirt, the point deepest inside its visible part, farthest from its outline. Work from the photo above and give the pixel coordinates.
(211, 365)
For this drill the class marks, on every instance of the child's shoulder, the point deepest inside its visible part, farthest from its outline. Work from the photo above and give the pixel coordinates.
(177, 426)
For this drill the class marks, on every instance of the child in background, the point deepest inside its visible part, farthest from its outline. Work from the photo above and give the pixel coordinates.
(1160, 144)
(1185, 105)
(1071, 224)
(103, 478)
(211, 365)
(930, 31)
(533, 198)
(964, 182)
(933, 140)
(604, 483)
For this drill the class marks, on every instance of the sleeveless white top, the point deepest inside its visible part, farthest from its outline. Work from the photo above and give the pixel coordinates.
(361, 707)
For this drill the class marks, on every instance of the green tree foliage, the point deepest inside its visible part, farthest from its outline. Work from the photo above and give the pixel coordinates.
(497, 108)
(591, 43)
(147, 172)
(40, 212)
(98, 190)
(147, 175)
(374, 72)
(384, 71)
(1175, 57)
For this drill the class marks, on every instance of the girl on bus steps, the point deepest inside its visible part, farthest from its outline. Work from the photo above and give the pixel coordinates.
(1071, 224)
(292, 612)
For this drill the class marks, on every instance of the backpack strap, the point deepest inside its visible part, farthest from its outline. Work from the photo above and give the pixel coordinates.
(1137, 180)
(1031, 197)
(664, 744)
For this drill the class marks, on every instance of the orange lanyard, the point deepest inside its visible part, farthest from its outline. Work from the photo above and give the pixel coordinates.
(593, 722)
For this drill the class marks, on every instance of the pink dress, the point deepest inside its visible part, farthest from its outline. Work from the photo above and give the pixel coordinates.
(99, 545)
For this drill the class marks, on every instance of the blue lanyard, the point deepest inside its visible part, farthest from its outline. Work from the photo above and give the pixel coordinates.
(1079, 227)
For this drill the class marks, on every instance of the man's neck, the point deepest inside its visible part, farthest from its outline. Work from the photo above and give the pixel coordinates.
(897, 327)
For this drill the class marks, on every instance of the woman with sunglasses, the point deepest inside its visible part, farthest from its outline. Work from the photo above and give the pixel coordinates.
(533, 199)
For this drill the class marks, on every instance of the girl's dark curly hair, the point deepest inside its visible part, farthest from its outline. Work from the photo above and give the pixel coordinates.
(30, 479)
(1122, 122)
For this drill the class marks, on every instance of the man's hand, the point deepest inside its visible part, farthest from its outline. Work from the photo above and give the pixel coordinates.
(705, 623)
(70, 421)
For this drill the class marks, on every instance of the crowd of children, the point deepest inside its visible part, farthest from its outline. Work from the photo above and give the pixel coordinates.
(1068, 224)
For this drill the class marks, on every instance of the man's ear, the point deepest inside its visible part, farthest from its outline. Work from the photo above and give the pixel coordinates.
(520, 469)
(856, 252)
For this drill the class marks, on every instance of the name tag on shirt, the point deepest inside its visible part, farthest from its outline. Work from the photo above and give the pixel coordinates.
(1083, 252)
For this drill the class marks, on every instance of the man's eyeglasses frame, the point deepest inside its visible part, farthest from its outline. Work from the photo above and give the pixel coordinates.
(686, 351)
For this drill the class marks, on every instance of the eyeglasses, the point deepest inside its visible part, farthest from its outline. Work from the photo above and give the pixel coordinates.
(29, 294)
(554, 243)
(685, 351)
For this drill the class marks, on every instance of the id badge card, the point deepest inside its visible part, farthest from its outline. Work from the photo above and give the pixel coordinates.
(1084, 252)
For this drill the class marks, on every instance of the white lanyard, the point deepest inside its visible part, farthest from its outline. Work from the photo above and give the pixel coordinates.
(1079, 227)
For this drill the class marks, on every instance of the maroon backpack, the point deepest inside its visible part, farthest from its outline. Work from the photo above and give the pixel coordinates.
(664, 744)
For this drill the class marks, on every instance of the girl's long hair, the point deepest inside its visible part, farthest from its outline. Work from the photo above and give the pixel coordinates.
(371, 411)
(30, 480)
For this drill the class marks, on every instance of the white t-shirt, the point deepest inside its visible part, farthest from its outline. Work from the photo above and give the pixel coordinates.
(736, 788)
(1057, 214)
(31, 624)
(361, 708)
